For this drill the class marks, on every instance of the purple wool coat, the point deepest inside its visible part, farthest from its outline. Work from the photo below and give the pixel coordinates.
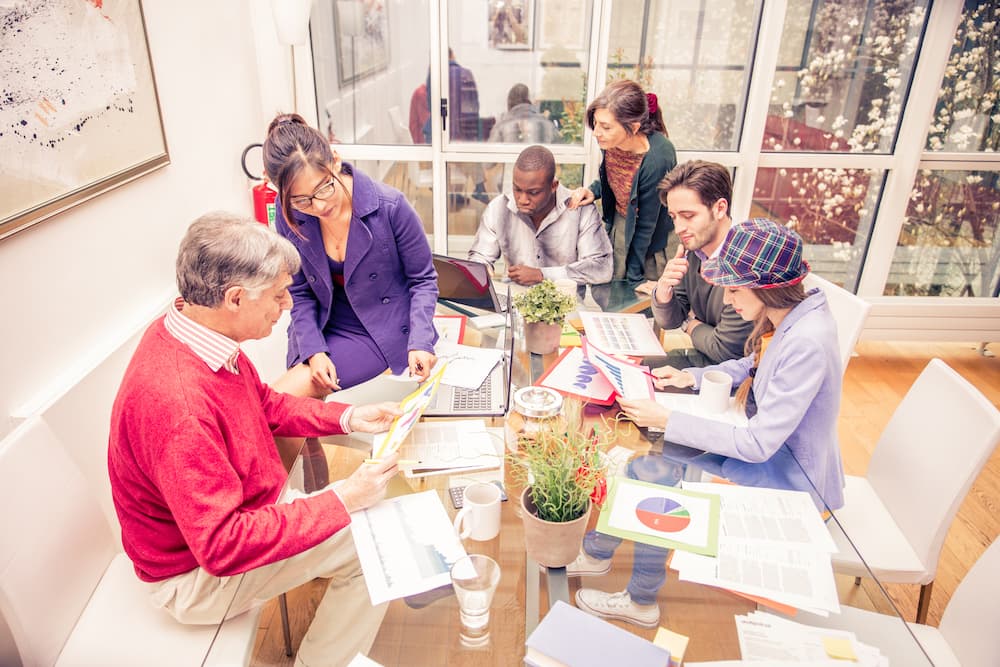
(388, 274)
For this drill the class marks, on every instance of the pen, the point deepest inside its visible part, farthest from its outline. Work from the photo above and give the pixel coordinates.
(401, 462)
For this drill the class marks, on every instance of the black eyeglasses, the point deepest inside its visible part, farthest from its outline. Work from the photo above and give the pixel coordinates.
(323, 192)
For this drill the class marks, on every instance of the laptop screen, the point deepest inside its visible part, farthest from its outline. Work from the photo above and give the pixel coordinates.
(466, 282)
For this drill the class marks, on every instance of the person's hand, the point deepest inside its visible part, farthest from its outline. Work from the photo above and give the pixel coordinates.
(668, 376)
(691, 323)
(374, 418)
(645, 412)
(421, 363)
(646, 287)
(580, 197)
(525, 275)
(672, 274)
(322, 372)
(366, 485)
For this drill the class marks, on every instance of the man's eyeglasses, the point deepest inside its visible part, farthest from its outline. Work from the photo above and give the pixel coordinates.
(323, 192)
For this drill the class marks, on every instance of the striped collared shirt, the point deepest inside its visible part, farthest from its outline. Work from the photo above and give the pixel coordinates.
(213, 348)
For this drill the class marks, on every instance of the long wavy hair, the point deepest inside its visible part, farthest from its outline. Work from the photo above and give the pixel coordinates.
(290, 147)
(773, 297)
(627, 102)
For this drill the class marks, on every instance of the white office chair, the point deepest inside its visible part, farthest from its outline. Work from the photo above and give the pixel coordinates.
(67, 593)
(966, 637)
(849, 311)
(930, 452)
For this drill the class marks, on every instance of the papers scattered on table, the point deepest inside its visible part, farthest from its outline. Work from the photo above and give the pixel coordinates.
(664, 516)
(450, 327)
(621, 333)
(764, 636)
(772, 544)
(572, 375)
(442, 447)
(468, 366)
(406, 545)
(692, 405)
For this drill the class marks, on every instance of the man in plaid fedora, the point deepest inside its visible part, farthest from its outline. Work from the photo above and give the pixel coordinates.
(698, 195)
(789, 386)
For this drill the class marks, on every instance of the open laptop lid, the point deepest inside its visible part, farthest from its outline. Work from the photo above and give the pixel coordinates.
(467, 283)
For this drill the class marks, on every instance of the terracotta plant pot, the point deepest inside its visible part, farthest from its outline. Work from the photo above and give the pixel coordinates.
(542, 338)
(548, 543)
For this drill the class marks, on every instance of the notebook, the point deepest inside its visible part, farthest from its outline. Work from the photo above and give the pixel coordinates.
(468, 283)
(568, 636)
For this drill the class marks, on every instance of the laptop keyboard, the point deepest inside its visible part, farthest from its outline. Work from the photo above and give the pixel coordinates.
(473, 399)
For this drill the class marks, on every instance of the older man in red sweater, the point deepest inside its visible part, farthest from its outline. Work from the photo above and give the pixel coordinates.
(196, 478)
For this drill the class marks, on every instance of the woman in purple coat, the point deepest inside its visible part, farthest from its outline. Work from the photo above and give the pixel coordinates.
(364, 299)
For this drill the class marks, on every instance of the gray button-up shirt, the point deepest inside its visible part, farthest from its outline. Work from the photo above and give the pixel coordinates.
(570, 243)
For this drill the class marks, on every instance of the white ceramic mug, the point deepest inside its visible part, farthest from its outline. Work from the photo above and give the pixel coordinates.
(714, 392)
(480, 512)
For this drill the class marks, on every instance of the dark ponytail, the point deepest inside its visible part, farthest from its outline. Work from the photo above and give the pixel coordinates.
(628, 103)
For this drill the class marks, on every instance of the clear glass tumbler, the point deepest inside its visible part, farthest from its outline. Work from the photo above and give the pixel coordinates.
(475, 579)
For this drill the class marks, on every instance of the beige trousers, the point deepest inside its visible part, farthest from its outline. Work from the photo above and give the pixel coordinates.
(345, 623)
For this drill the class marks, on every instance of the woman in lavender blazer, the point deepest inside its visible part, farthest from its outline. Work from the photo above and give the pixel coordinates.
(789, 385)
(364, 299)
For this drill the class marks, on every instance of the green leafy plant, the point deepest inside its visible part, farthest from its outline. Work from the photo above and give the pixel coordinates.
(544, 303)
(563, 465)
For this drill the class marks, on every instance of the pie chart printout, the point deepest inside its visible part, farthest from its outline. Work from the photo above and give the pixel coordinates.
(663, 515)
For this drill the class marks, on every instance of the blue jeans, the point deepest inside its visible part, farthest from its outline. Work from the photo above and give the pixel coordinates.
(649, 566)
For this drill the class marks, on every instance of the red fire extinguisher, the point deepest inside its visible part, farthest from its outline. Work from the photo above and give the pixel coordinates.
(263, 192)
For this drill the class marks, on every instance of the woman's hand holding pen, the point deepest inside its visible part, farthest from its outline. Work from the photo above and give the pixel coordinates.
(323, 372)
(421, 363)
(668, 376)
(672, 274)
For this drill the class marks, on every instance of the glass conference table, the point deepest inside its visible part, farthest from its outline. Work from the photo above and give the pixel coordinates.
(425, 630)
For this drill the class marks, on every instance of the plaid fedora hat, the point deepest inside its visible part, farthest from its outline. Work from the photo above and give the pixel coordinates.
(757, 253)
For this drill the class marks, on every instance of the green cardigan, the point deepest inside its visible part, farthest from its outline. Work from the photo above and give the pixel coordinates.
(646, 221)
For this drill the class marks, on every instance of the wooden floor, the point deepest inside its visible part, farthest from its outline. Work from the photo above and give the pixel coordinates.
(876, 380)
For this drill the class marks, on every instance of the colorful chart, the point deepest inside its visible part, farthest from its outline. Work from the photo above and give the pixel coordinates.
(663, 515)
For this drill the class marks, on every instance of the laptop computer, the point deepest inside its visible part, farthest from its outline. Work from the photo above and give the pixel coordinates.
(490, 399)
(467, 283)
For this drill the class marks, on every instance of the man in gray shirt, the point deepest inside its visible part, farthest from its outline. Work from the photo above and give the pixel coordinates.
(523, 123)
(537, 234)
(697, 194)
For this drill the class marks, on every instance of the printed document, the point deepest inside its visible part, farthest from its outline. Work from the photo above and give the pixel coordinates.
(406, 545)
(468, 366)
(621, 333)
(442, 447)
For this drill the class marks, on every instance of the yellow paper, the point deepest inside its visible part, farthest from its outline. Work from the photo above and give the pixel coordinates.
(839, 648)
(674, 643)
(413, 407)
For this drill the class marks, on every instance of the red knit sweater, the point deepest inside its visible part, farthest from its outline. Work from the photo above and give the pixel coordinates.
(194, 470)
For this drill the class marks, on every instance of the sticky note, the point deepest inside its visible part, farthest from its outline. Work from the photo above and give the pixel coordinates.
(839, 648)
(674, 643)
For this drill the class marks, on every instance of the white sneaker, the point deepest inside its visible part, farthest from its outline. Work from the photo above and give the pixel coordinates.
(618, 606)
(586, 565)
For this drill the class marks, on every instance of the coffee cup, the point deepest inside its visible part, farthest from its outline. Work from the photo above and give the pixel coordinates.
(714, 392)
(479, 518)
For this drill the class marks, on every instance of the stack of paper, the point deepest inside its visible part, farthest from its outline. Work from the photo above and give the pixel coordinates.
(764, 636)
(442, 447)
(772, 544)
(467, 366)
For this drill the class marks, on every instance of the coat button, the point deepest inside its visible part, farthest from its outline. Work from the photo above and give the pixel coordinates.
(385, 299)
(372, 276)
(405, 330)
(312, 279)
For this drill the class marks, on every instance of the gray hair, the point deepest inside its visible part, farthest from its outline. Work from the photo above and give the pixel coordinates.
(222, 250)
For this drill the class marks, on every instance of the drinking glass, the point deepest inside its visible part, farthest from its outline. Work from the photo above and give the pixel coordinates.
(475, 579)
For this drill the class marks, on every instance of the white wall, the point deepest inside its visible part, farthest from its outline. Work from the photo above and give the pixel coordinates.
(75, 286)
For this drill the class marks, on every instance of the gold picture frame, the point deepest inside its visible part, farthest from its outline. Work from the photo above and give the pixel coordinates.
(81, 114)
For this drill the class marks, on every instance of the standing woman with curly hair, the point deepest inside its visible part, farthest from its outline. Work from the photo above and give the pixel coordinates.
(628, 126)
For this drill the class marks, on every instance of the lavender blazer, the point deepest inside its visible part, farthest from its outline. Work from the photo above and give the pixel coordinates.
(797, 387)
(388, 274)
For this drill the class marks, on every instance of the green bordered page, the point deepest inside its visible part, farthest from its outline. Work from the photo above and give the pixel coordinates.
(663, 516)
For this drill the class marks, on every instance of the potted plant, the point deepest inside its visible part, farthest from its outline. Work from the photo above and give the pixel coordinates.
(562, 469)
(543, 308)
